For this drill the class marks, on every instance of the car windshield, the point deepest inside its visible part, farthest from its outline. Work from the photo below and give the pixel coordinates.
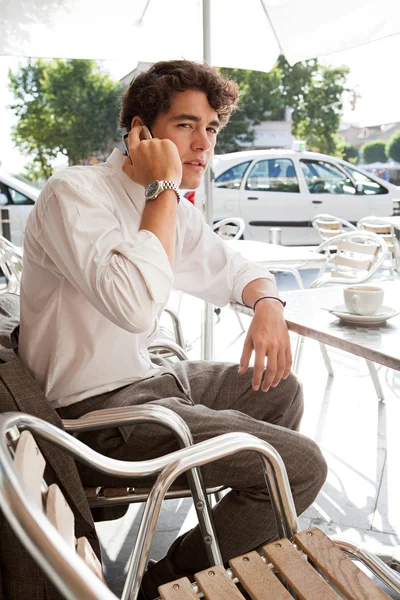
(370, 186)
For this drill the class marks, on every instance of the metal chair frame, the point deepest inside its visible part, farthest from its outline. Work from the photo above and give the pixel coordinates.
(387, 231)
(348, 241)
(66, 570)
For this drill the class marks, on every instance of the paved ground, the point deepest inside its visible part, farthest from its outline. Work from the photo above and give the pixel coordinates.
(359, 437)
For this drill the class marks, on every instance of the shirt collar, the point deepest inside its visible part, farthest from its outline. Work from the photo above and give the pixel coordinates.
(134, 190)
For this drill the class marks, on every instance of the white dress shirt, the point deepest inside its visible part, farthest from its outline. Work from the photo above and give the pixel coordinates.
(94, 286)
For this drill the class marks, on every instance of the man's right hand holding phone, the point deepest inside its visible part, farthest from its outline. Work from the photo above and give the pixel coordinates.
(151, 159)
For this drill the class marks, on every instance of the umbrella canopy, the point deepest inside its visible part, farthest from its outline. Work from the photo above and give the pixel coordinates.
(246, 34)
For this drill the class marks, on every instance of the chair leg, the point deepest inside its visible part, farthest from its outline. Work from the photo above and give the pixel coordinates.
(375, 380)
(240, 322)
(297, 354)
(327, 360)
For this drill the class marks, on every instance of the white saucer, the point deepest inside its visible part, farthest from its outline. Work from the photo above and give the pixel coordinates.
(385, 313)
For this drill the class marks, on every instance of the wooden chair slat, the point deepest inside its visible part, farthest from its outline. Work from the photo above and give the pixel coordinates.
(86, 552)
(344, 261)
(339, 568)
(215, 584)
(300, 575)
(257, 578)
(333, 225)
(181, 589)
(379, 229)
(30, 464)
(358, 248)
(60, 515)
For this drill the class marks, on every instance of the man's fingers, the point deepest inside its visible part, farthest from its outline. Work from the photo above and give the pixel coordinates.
(259, 365)
(289, 362)
(270, 373)
(246, 355)
(134, 137)
(280, 369)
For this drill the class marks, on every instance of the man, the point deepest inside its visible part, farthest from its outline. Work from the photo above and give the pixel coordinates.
(103, 248)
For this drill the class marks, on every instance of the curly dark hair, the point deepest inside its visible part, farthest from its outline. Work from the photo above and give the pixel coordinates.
(150, 93)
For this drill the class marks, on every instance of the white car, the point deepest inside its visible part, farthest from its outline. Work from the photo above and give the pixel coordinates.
(287, 189)
(17, 198)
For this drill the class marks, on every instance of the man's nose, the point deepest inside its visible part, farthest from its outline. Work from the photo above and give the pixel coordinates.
(201, 141)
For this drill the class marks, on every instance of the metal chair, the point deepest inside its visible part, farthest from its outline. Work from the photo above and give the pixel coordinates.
(52, 544)
(328, 227)
(231, 228)
(359, 254)
(11, 265)
(387, 232)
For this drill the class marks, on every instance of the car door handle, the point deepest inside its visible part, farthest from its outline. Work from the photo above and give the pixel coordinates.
(316, 201)
(252, 197)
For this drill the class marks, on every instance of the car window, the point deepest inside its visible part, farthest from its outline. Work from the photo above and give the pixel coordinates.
(273, 175)
(18, 197)
(232, 178)
(369, 185)
(325, 178)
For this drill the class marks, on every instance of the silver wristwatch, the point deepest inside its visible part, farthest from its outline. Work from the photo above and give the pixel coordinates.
(155, 188)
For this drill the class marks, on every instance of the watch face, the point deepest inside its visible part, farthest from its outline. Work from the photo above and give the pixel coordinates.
(152, 189)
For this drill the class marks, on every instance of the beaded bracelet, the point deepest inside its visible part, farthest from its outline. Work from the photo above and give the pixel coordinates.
(266, 297)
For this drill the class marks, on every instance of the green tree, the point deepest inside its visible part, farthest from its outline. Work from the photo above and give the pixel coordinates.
(393, 147)
(314, 92)
(259, 101)
(69, 107)
(374, 152)
(350, 153)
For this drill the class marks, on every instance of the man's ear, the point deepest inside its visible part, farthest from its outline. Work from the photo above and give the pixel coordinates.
(136, 121)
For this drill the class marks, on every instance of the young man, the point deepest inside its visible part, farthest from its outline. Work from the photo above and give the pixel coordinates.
(104, 246)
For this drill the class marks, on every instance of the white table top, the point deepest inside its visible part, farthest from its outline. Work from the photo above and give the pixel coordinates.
(378, 343)
(299, 257)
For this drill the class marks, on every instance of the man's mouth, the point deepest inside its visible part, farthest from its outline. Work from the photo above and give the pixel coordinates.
(195, 163)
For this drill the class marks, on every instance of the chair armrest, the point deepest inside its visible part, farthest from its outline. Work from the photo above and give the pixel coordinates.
(127, 415)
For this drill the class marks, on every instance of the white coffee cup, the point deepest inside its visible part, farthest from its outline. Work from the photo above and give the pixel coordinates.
(363, 299)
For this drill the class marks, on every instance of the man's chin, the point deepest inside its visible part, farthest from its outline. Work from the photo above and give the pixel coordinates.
(190, 183)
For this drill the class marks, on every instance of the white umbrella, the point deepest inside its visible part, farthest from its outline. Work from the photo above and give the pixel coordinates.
(248, 34)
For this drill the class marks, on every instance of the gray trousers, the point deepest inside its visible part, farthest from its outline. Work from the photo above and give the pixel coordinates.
(213, 399)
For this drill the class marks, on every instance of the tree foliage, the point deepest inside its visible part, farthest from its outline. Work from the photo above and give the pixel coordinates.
(350, 153)
(67, 107)
(393, 147)
(374, 152)
(313, 92)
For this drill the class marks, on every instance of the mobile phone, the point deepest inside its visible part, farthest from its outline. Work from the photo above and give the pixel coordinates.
(145, 134)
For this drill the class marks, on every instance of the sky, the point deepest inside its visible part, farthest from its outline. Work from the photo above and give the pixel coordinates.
(373, 74)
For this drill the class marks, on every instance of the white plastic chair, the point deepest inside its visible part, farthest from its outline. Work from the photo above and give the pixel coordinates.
(231, 228)
(11, 265)
(359, 254)
(387, 232)
(328, 227)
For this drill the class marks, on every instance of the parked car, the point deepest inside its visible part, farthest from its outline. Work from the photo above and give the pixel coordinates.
(287, 189)
(17, 198)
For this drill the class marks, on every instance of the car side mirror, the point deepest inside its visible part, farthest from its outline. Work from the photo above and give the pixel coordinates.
(359, 188)
(3, 199)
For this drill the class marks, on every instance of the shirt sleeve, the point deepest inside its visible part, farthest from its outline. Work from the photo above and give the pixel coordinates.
(126, 280)
(206, 267)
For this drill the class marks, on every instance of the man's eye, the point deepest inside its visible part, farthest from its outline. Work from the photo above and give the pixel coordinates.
(212, 130)
(185, 125)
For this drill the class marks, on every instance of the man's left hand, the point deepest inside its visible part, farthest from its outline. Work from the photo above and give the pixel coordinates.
(268, 337)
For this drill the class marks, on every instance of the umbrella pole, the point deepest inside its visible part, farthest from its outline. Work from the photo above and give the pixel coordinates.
(207, 338)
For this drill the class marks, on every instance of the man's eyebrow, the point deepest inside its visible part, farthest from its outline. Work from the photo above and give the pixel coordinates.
(188, 117)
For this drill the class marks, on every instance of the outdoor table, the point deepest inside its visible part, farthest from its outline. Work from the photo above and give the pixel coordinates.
(305, 315)
(282, 258)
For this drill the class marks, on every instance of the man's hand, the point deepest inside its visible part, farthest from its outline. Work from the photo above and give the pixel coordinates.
(268, 337)
(152, 159)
